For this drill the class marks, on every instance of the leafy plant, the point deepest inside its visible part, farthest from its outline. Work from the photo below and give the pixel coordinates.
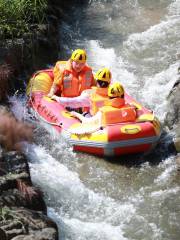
(5, 214)
(17, 16)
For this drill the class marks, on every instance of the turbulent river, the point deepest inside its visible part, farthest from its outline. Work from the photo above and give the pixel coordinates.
(130, 197)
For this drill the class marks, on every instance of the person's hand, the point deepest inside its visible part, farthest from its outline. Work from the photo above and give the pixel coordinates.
(49, 95)
(73, 113)
(53, 97)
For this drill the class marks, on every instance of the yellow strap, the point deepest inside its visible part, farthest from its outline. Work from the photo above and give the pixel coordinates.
(145, 117)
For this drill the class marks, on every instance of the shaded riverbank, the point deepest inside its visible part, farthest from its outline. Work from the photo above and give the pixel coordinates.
(29, 53)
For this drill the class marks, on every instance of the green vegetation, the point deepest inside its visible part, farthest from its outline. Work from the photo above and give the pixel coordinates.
(4, 213)
(19, 16)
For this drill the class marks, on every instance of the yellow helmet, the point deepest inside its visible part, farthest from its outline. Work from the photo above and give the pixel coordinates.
(103, 74)
(79, 55)
(116, 90)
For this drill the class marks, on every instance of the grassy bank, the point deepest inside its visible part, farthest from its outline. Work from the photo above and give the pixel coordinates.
(19, 17)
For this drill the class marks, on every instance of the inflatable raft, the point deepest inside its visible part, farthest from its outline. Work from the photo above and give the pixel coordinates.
(123, 136)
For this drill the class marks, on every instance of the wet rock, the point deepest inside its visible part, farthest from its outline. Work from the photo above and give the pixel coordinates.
(5, 74)
(14, 197)
(177, 143)
(172, 119)
(15, 162)
(173, 114)
(22, 208)
(15, 183)
(12, 228)
(3, 234)
(21, 223)
(178, 162)
(45, 234)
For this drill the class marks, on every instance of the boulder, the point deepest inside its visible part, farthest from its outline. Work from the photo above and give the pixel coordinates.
(25, 224)
(178, 162)
(22, 208)
(172, 119)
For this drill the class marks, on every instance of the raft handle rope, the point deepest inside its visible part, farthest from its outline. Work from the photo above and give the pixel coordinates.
(43, 119)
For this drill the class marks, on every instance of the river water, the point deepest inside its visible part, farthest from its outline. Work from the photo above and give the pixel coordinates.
(130, 197)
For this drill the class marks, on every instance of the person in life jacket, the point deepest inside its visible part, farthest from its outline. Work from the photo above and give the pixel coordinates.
(90, 97)
(114, 111)
(73, 76)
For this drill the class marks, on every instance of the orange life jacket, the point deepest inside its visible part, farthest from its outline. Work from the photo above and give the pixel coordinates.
(116, 111)
(98, 99)
(70, 82)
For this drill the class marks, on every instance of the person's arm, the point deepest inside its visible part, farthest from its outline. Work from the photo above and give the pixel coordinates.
(74, 102)
(96, 119)
(88, 125)
(53, 90)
